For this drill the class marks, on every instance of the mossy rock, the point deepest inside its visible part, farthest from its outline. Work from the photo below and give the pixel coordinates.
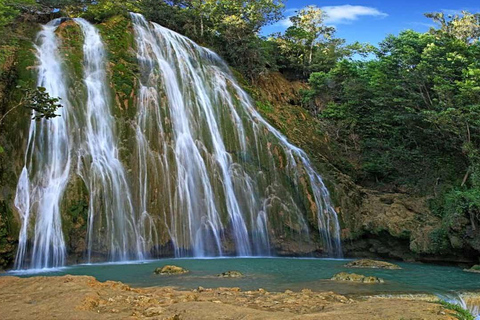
(474, 269)
(372, 264)
(231, 274)
(353, 277)
(170, 270)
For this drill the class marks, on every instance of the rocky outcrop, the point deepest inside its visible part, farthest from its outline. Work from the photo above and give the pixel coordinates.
(371, 264)
(353, 277)
(170, 270)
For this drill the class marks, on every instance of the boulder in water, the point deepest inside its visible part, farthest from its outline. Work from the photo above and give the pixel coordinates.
(231, 274)
(474, 269)
(170, 270)
(353, 277)
(372, 264)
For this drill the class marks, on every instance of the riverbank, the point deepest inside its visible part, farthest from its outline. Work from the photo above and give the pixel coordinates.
(83, 297)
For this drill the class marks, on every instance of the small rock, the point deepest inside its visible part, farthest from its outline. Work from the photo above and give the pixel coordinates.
(373, 264)
(230, 274)
(170, 270)
(153, 311)
(344, 276)
(373, 280)
(474, 269)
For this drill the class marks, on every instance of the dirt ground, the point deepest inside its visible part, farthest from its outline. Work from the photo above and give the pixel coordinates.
(83, 297)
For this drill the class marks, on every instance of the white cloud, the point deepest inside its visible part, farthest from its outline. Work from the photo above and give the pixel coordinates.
(348, 13)
(343, 14)
(284, 23)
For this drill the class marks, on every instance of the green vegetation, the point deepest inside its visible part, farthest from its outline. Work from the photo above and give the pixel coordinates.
(40, 102)
(405, 118)
(460, 313)
(411, 116)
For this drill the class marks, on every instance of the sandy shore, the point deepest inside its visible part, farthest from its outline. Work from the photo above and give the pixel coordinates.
(83, 297)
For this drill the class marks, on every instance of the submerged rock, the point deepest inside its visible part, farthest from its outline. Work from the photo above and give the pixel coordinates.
(474, 269)
(372, 264)
(353, 277)
(170, 270)
(231, 274)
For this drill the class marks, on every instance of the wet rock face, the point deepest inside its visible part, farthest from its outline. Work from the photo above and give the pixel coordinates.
(231, 274)
(372, 264)
(170, 270)
(353, 277)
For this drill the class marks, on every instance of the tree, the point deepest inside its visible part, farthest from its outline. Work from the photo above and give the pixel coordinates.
(465, 27)
(311, 20)
(412, 110)
(38, 100)
(308, 41)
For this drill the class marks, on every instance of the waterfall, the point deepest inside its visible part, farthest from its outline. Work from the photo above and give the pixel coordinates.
(207, 174)
(465, 301)
(111, 222)
(47, 164)
(217, 153)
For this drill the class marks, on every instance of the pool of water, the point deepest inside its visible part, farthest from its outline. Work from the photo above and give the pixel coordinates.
(277, 274)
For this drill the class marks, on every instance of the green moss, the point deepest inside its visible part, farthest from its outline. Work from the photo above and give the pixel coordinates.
(439, 242)
(75, 216)
(72, 47)
(118, 35)
(8, 231)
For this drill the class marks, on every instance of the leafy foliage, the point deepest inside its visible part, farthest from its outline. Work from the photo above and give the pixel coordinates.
(414, 106)
(413, 116)
(39, 100)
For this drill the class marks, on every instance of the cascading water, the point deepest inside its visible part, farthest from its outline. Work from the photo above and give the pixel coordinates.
(47, 166)
(209, 175)
(213, 147)
(112, 222)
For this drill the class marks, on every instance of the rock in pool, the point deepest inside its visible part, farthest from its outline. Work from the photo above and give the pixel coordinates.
(372, 264)
(170, 270)
(353, 277)
(231, 274)
(474, 269)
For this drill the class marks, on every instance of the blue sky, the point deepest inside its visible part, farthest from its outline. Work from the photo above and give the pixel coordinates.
(371, 20)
